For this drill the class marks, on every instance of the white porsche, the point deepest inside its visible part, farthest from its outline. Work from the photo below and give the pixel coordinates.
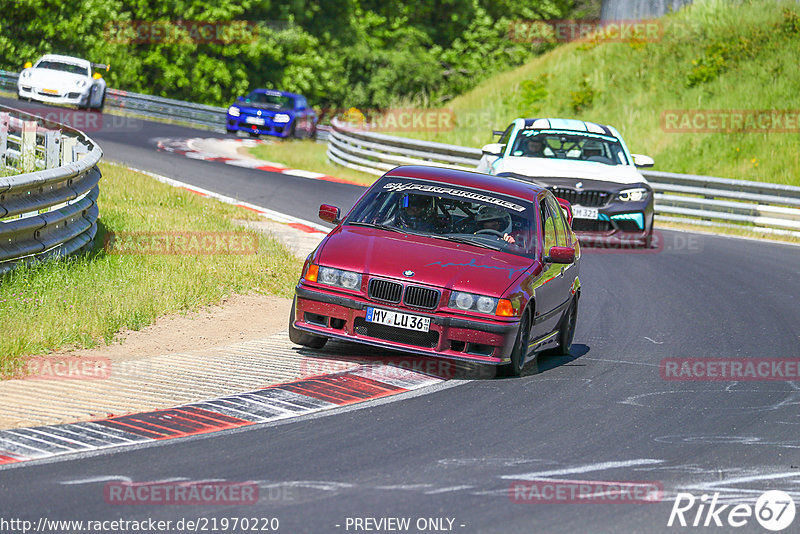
(57, 79)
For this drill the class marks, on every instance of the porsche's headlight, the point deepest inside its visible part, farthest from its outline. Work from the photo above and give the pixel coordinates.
(281, 118)
(337, 277)
(460, 300)
(80, 83)
(26, 74)
(633, 195)
(234, 111)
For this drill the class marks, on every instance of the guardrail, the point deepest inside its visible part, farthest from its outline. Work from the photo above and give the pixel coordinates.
(701, 200)
(210, 117)
(48, 189)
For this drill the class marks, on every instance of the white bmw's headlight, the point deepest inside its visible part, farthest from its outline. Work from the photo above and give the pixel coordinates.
(281, 118)
(337, 277)
(461, 300)
(234, 111)
(633, 195)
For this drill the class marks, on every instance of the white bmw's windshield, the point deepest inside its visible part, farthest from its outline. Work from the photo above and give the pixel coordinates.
(569, 146)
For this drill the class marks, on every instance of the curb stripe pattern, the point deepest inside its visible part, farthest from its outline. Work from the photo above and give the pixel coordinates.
(283, 401)
(296, 222)
(184, 147)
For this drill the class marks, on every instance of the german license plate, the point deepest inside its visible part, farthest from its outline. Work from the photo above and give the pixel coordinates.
(398, 319)
(50, 91)
(254, 120)
(580, 212)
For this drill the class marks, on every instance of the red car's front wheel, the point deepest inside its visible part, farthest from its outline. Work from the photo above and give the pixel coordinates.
(304, 338)
(520, 349)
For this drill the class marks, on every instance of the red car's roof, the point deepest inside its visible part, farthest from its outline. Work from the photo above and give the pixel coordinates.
(498, 184)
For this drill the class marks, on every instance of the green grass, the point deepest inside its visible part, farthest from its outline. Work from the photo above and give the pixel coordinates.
(308, 155)
(84, 300)
(713, 55)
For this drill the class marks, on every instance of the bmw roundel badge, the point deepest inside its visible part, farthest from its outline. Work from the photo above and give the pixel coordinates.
(408, 273)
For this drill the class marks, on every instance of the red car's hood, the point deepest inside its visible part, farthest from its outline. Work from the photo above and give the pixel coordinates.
(434, 262)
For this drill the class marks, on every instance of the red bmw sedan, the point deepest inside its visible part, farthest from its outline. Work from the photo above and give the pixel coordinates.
(445, 263)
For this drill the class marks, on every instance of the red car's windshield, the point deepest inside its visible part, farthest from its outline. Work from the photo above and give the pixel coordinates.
(482, 218)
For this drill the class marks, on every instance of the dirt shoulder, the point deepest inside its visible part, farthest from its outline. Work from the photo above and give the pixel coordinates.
(238, 345)
(238, 318)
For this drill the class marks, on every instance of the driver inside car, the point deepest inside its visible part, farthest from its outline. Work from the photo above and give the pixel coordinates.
(592, 149)
(494, 221)
(417, 213)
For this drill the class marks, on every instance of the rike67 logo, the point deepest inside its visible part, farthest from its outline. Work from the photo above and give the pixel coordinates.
(774, 510)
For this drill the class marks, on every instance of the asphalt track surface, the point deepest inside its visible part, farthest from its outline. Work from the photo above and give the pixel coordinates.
(602, 414)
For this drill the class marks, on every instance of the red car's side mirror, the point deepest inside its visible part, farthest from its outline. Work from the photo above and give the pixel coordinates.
(561, 255)
(567, 207)
(329, 213)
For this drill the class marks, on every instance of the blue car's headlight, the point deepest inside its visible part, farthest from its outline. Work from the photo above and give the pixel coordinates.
(633, 195)
(281, 118)
(234, 111)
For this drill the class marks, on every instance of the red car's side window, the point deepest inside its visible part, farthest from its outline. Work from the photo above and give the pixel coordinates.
(558, 218)
(548, 227)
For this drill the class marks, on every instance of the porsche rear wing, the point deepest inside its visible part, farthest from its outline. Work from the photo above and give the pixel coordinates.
(100, 66)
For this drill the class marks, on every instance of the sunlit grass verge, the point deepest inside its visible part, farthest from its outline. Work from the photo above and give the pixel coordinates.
(308, 155)
(83, 301)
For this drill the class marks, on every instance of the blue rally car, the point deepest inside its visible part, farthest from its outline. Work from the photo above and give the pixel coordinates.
(270, 112)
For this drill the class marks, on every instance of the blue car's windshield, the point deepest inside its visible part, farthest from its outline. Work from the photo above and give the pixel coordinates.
(270, 100)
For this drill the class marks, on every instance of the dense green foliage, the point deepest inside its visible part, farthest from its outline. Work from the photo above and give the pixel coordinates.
(339, 53)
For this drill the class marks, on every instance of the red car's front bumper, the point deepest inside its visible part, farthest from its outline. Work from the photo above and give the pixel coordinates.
(331, 314)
